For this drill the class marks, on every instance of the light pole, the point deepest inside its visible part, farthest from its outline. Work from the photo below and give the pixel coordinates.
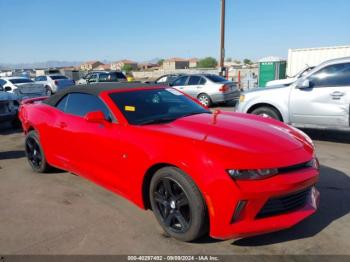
(222, 39)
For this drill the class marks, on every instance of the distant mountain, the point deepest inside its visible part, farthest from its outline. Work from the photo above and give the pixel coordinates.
(47, 64)
(152, 61)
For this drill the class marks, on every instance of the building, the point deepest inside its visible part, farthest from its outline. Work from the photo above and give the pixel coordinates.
(105, 67)
(118, 65)
(148, 66)
(90, 65)
(193, 62)
(175, 63)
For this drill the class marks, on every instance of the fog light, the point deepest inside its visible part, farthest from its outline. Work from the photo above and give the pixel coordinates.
(238, 210)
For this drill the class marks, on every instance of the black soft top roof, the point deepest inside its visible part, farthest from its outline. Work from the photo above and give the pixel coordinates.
(95, 89)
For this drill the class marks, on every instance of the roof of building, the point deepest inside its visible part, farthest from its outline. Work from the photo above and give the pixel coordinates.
(126, 61)
(91, 62)
(176, 59)
(96, 89)
(105, 66)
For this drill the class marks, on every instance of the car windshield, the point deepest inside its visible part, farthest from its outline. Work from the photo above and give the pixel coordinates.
(155, 106)
(58, 77)
(216, 79)
(120, 75)
(20, 80)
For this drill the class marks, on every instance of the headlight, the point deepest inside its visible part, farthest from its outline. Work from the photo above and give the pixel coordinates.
(241, 98)
(254, 174)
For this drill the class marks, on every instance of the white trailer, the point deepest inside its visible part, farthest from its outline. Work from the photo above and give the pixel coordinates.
(299, 59)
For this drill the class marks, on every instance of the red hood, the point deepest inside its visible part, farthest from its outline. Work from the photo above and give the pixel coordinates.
(238, 131)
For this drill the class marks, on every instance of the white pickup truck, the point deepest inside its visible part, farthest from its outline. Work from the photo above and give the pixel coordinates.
(318, 99)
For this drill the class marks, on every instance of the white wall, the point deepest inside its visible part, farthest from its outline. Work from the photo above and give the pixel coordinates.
(299, 59)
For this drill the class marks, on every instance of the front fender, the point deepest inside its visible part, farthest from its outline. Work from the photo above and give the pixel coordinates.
(280, 104)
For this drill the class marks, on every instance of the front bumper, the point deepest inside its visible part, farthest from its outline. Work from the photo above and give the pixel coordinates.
(256, 194)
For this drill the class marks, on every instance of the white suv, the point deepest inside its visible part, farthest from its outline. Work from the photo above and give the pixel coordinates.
(319, 99)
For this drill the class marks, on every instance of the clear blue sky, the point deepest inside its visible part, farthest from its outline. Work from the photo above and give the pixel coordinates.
(75, 30)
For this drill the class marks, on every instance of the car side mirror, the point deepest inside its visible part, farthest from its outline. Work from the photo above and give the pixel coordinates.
(7, 89)
(304, 84)
(95, 117)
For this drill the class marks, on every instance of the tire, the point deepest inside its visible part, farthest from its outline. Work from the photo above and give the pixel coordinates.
(205, 100)
(265, 111)
(35, 153)
(48, 91)
(178, 204)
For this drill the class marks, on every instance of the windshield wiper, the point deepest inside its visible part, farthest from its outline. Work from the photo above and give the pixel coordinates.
(196, 113)
(158, 121)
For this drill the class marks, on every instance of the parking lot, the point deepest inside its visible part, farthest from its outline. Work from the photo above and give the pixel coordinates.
(60, 213)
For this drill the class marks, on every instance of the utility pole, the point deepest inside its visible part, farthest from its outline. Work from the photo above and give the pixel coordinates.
(222, 42)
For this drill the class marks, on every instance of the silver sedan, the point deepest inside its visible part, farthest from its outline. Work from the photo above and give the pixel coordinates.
(207, 88)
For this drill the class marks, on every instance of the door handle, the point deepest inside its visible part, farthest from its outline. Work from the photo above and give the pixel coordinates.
(337, 93)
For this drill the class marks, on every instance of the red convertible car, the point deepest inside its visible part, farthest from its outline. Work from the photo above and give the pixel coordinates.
(227, 174)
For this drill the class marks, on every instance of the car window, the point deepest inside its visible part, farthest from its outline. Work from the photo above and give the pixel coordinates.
(87, 76)
(162, 79)
(120, 75)
(58, 77)
(216, 78)
(194, 80)
(20, 80)
(61, 105)
(180, 81)
(40, 78)
(2, 82)
(333, 75)
(202, 81)
(146, 106)
(80, 104)
(103, 77)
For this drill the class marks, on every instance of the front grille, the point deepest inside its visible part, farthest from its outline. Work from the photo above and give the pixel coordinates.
(295, 167)
(277, 206)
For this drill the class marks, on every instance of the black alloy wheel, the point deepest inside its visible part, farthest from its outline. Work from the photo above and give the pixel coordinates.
(178, 204)
(173, 205)
(35, 153)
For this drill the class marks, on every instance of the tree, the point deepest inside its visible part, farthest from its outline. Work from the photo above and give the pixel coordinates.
(127, 68)
(238, 62)
(247, 61)
(160, 62)
(229, 59)
(208, 62)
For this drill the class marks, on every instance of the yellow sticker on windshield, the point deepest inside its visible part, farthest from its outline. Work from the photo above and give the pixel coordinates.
(130, 108)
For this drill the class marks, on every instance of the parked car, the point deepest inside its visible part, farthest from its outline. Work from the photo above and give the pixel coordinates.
(22, 87)
(54, 83)
(207, 88)
(319, 99)
(8, 106)
(229, 174)
(102, 76)
(165, 79)
(291, 80)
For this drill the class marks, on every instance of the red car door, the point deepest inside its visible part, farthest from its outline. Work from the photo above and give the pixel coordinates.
(56, 142)
(95, 150)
